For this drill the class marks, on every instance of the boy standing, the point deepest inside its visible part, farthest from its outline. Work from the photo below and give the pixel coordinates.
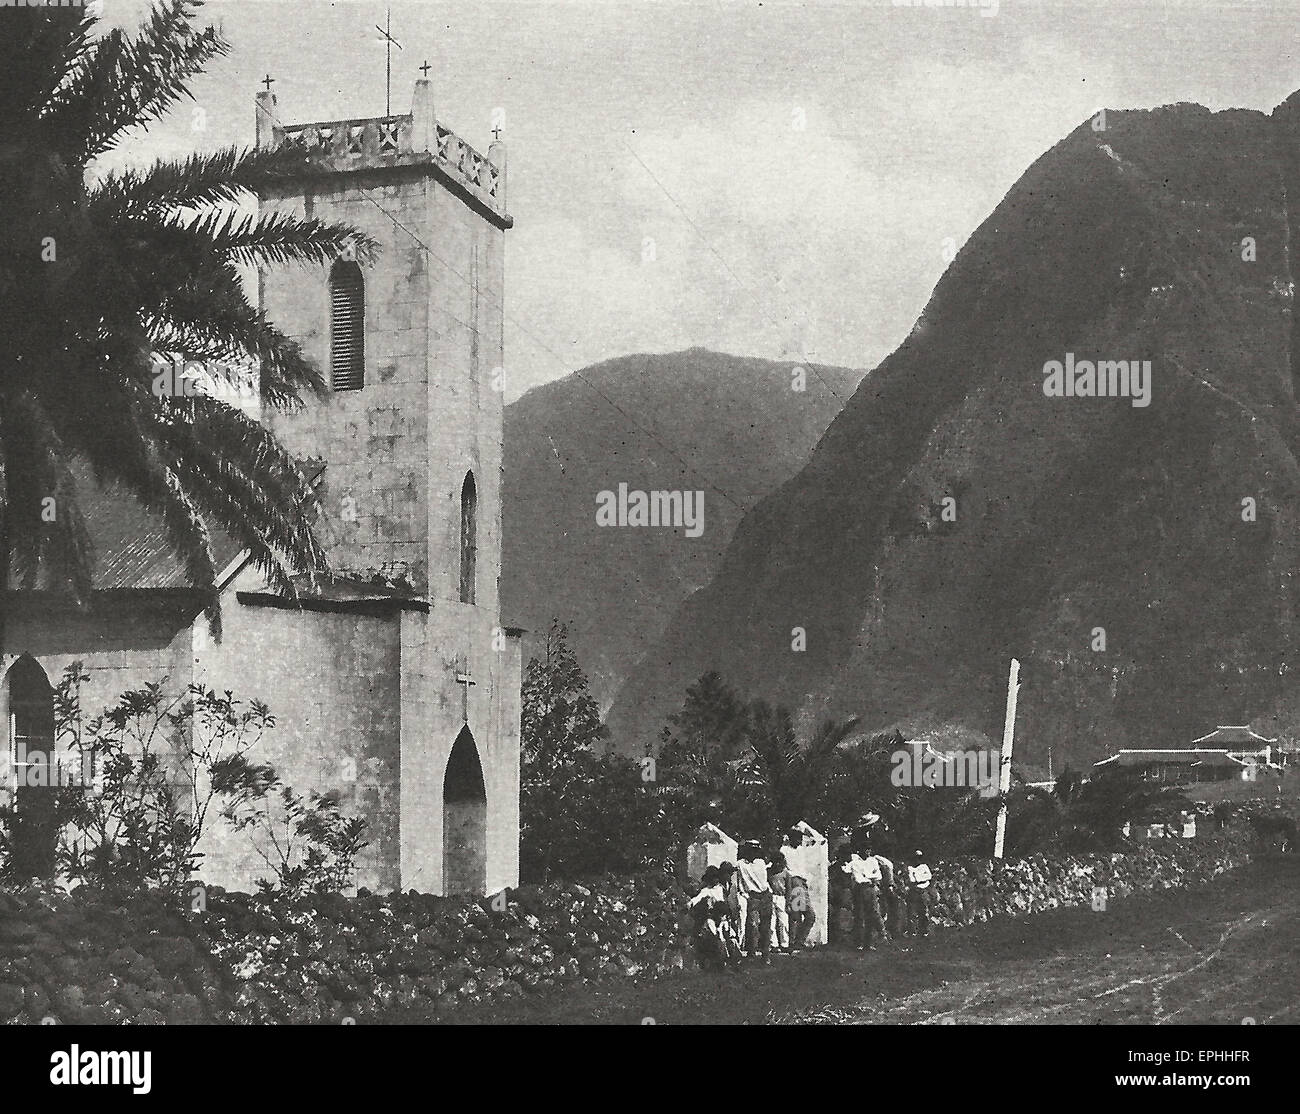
(888, 900)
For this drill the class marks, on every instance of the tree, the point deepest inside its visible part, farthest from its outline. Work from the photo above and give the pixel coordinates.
(153, 767)
(98, 281)
(742, 765)
(792, 776)
(594, 815)
(582, 814)
(560, 719)
(710, 728)
(306, 842)
(701, 752)
(1088, 813)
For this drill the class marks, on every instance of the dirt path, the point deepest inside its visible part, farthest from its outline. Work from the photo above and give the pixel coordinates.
(1217, 955)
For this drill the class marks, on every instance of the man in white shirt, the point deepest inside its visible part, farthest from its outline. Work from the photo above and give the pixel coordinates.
(918, 894)
(865, 872)
(751, 880)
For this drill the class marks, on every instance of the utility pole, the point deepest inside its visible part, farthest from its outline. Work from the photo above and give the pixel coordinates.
(1008, 736)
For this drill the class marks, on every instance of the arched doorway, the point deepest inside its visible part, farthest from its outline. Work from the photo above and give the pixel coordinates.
(31, 750)
(464, 820)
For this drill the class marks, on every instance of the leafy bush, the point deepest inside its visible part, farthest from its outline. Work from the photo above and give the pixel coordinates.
(159, 765)
(158, 768)
(307, 842)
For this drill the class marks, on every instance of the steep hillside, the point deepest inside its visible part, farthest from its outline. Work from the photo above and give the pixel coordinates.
(696, 420)
(1074, 516)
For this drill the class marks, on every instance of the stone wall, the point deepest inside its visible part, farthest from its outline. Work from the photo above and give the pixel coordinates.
(89, 958)
(969, 891)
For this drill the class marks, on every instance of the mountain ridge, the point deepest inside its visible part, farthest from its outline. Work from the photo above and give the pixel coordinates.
(695, 420)
(1117, 243)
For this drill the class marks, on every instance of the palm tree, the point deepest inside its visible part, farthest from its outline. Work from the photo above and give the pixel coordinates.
(96, 280)
(791, 776)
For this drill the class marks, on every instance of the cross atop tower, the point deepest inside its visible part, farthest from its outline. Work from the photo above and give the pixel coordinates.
(496, 132)
(268, 81)
(425, 69)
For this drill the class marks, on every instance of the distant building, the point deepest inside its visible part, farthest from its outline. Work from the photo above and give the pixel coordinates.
(1240, 742)
(1222, 755)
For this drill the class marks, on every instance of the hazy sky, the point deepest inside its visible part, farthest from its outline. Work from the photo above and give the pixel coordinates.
(770, 179)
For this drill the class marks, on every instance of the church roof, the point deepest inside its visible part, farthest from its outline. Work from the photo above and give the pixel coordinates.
(129, 543)
(131, 547)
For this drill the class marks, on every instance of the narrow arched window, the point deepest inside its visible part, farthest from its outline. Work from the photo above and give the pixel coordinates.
(36, 771)
(347, 327)
(468, 537)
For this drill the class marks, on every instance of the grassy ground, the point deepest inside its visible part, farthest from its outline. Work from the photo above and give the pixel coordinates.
(1214, 955)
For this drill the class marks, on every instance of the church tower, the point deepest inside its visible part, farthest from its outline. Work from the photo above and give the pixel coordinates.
(411, 345)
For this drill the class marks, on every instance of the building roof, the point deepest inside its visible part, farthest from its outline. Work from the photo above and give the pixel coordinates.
(129, 544)
(924, 747)
(1191, 756)
(1235, 737)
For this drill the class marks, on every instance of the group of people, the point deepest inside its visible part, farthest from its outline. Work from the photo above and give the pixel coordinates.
(756, 906)
(882, 892)
(750, 908)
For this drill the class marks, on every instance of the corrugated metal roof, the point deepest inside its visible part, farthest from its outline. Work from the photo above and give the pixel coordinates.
(130, 545)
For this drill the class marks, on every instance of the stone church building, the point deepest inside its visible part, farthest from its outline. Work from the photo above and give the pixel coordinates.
(394, 685)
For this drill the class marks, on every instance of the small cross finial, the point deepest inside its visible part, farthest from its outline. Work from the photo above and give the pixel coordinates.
(425, 69)
(496, 132)
(268, 81)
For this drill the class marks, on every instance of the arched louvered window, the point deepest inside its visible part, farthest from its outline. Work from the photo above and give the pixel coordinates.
(468, 537)
(347, 327)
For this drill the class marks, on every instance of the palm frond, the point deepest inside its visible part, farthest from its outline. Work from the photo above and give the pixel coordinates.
(148, 262)
(204, 179)
(122, 446)
(238, 475)
(122, 82)
(209, 318)
(37, 50)
(37, 470)
(269, 239)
